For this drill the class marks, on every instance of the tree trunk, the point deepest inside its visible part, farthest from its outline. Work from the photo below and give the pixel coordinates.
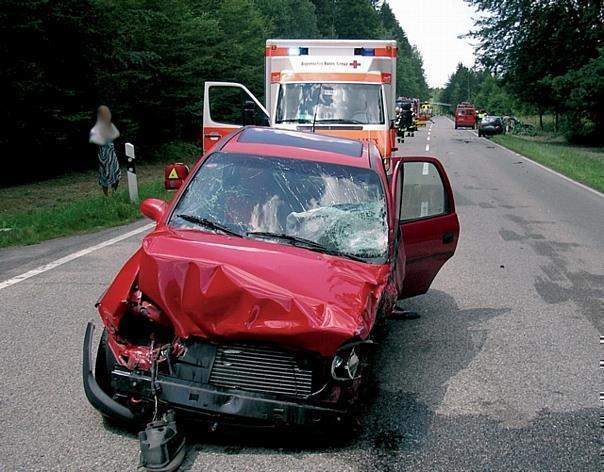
(541, 120)
(556, 122)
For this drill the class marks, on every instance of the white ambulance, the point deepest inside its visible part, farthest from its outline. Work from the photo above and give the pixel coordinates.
(342, 88)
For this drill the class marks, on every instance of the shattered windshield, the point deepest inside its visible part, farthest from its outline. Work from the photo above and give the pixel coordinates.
(329, 208)
(330, 103)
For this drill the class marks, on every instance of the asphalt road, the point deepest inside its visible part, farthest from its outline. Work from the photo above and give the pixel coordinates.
(499, 373)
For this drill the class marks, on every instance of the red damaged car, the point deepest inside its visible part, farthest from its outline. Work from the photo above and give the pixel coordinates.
(254, 300)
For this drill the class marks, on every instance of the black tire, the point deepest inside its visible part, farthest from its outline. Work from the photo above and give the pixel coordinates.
(455, 126)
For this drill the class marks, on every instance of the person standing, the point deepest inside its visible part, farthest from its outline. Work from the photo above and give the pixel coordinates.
(103, 134)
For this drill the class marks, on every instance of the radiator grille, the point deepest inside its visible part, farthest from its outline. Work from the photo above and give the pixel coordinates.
(260, 369)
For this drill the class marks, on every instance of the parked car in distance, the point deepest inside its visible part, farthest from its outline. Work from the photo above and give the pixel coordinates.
(255, 300)
(491, 125)
(465, 116)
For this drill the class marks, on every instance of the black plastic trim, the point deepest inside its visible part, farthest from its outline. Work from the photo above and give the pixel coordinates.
(94, 393)
(206, 399)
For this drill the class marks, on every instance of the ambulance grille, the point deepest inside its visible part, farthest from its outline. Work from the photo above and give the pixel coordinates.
(260, 369)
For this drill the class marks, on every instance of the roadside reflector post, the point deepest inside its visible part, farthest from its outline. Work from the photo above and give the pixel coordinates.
(131, 172)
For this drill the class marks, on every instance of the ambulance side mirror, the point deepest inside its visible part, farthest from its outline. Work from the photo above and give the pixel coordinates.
(248, 113)
(153, 208)
(253, 115)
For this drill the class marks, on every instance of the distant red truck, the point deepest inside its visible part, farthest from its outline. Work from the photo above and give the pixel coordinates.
(465, 116)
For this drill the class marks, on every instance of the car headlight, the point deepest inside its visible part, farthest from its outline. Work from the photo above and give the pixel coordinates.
(345, 365)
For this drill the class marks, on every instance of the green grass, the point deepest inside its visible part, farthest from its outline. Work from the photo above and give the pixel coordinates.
(74, 203)
(583, 164)
(79, 216)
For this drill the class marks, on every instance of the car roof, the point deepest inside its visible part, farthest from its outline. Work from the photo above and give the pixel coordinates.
(298, 145)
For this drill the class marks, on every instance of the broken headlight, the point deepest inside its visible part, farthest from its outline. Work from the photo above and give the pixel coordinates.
(345, 364)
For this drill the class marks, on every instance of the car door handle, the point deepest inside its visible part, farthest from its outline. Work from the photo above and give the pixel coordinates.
(448, 237)
(213, 136)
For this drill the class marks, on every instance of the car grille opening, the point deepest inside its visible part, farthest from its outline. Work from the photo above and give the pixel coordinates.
(260, 369)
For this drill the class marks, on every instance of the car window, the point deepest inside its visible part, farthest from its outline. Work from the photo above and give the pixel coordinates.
(423, 191)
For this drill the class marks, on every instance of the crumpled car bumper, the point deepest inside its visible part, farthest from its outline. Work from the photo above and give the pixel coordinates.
(94, 393)
(233, 406)
(202, 401)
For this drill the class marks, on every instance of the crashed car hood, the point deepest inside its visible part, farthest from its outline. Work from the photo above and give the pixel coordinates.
(228, 288)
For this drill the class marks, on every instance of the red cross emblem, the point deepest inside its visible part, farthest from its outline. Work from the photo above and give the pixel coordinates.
(355, 64)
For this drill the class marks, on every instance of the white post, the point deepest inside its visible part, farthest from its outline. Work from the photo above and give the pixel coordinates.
(131, 172)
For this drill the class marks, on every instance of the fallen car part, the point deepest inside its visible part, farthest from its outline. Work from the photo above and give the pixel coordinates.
(162, 447)
(401, 314)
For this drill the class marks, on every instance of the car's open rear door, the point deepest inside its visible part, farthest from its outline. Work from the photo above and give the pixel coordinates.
(427, 221)
(226, 107)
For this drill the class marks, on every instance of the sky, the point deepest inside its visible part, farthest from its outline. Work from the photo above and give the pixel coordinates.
(433, 26)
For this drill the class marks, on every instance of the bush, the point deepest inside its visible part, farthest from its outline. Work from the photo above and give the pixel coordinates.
(581, 130)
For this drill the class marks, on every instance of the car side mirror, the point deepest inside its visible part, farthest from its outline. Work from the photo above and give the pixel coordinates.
(153, 208)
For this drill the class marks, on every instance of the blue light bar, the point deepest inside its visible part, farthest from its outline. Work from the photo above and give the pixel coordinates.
(364, 51)
(298, 51)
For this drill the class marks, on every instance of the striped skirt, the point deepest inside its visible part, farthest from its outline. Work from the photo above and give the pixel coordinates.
(109, 168)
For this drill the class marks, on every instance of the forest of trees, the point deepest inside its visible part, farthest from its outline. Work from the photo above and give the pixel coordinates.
(147, 60)
(537, 57)
(483, 89)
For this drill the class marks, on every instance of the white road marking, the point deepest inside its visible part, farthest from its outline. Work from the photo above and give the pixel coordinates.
(427, 147)
(428, 138)
(71, 257)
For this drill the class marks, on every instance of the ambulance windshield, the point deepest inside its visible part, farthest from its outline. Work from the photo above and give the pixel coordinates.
(323, 103)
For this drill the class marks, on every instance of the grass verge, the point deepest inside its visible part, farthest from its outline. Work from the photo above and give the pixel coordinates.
(585, 165)
(74, 204)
